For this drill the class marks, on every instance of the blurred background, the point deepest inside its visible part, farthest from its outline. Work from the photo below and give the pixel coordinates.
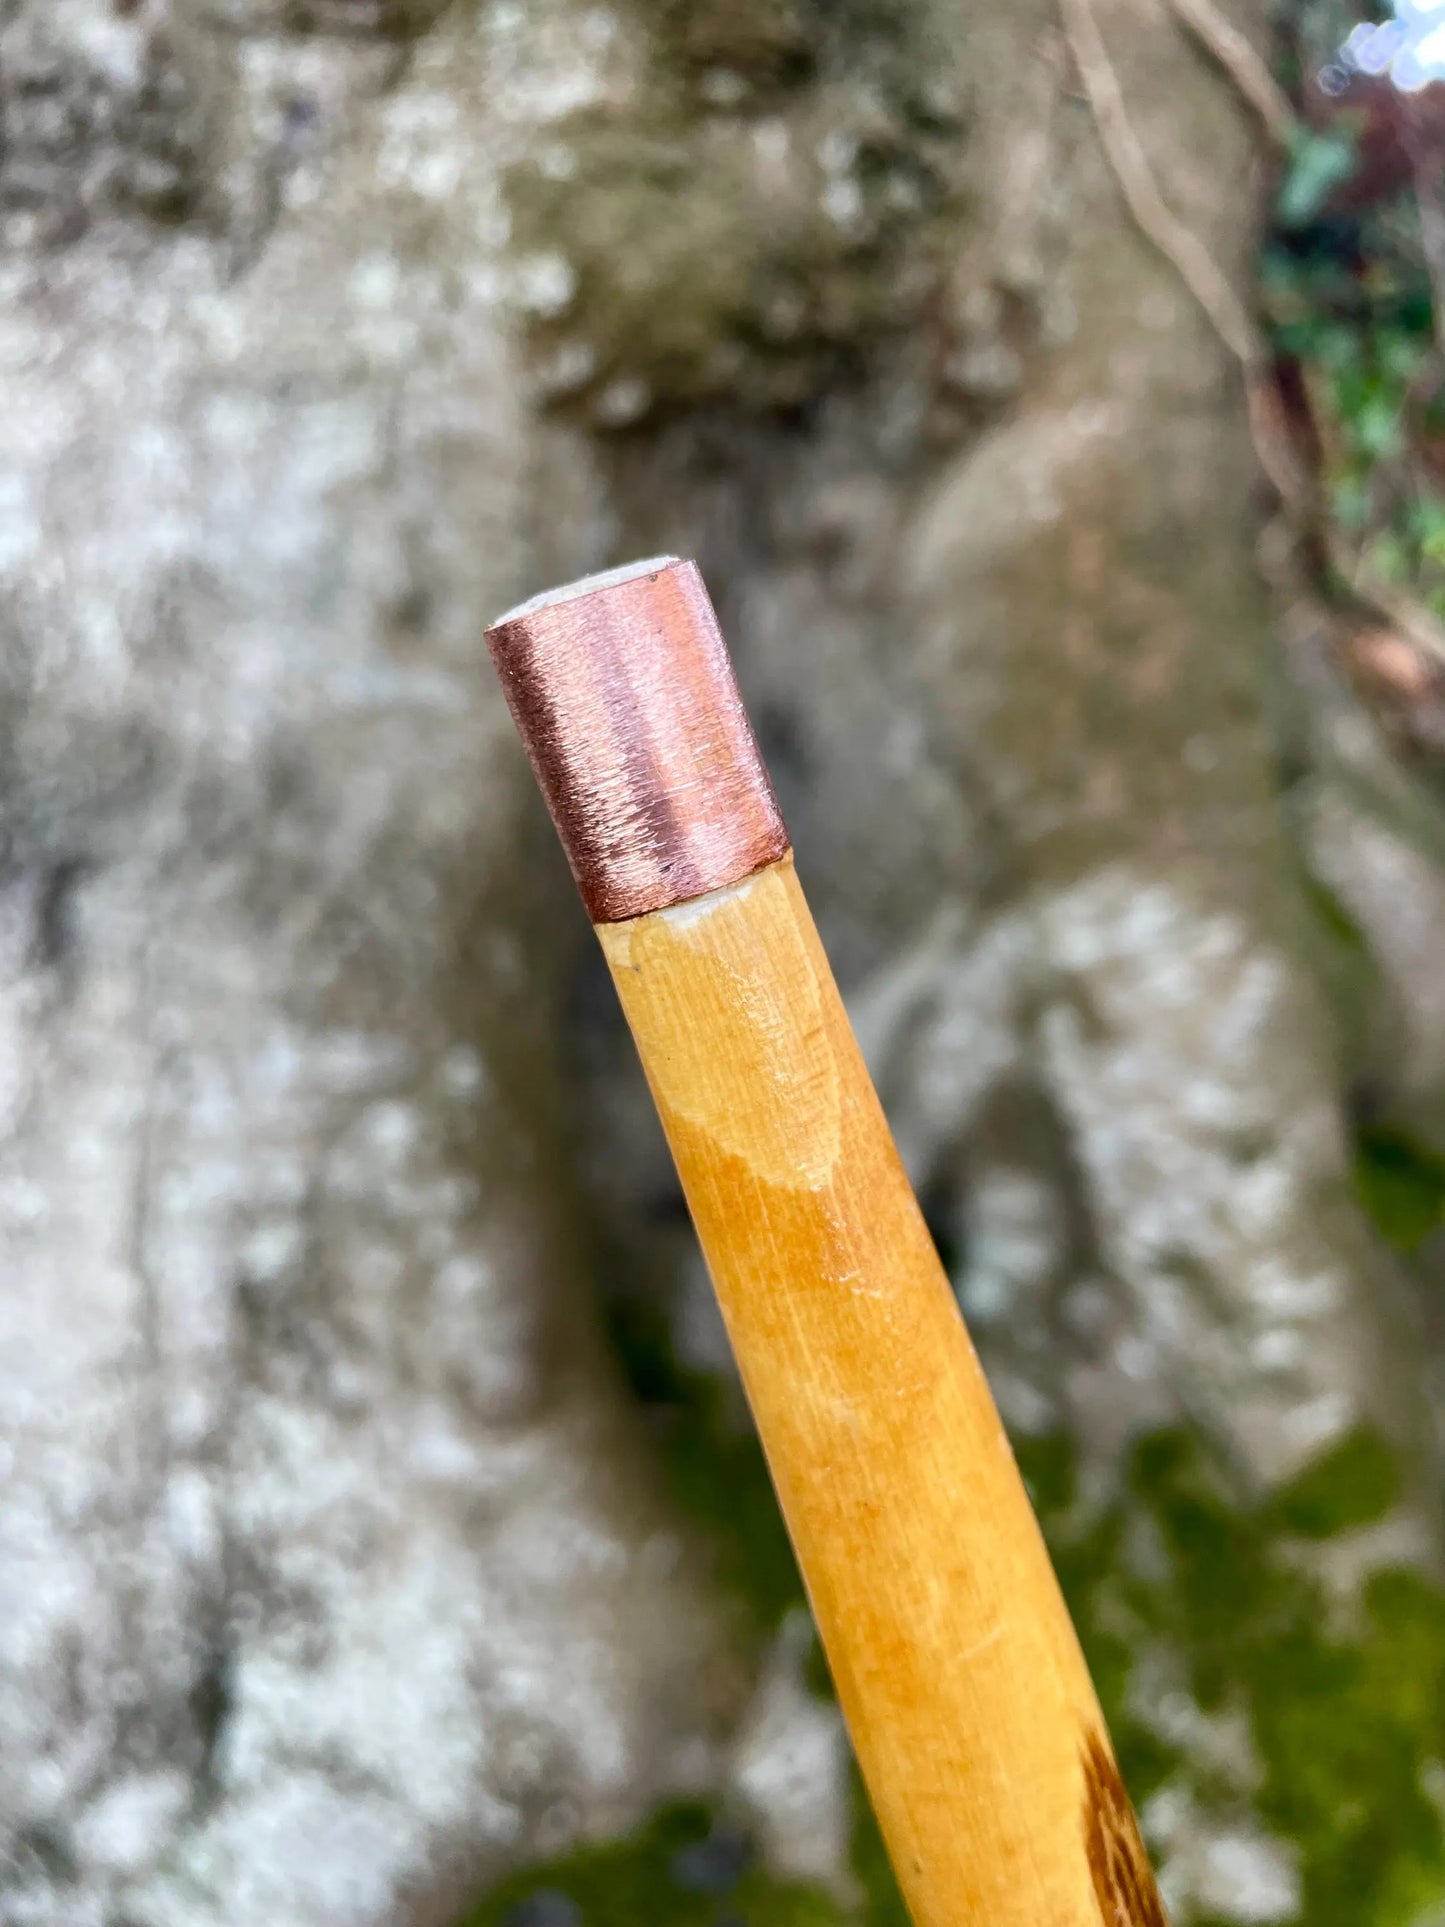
(1054, 396)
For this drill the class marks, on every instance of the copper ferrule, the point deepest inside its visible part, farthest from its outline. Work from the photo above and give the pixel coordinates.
(622, 689)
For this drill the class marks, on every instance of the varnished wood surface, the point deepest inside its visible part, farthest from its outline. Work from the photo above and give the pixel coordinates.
(958, 1671)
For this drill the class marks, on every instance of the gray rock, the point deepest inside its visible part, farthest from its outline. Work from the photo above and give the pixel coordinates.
(331, 1569)
(335, 1576)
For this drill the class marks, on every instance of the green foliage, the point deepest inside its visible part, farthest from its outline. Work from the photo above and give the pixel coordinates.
(1401, 1183)
(1347, 1719)
(1318, 163)
(682, 1870)
(1347, 299)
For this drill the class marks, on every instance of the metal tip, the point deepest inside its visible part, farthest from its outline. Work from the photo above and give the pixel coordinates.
(625, 698)
(586, 585)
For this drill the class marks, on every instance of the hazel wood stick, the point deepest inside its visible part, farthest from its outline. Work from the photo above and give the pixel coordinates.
(959, 1674)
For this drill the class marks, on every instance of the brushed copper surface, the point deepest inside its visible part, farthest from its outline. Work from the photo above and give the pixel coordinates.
(622, 689)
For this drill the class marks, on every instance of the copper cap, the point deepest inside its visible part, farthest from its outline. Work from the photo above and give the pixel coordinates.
(622, 689)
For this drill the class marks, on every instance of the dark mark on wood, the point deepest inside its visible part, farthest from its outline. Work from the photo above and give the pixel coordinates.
(1123, 1879)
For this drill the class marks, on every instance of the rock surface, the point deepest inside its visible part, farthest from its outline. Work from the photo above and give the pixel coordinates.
(332, 1572)
(337, 1571)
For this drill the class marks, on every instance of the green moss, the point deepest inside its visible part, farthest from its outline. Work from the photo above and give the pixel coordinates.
(719, 1477)
(882, 1902)
(715, 1468)
(689, 1869)
(682, 1869)
(775, 43)
(1338, 951)
(1344, 1729)
(1335, 921)
(698, 273)
(758, 250)
(1355, 1483)
(395, 19)
(665, 258)
(1401, 1184)
(769, 40)
(1346, 1720)
(1047, 1465)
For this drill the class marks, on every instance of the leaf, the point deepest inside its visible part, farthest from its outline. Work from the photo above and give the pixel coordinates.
(1318, 164)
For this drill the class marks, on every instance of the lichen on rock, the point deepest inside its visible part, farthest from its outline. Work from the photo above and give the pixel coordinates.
(352, 1568)
(757, 247)
(101, 116)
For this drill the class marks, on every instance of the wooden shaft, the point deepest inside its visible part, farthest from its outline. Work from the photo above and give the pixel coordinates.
(958, 1670)
(963, 1686)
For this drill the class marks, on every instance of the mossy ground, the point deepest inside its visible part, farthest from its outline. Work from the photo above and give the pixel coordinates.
(1345, 1709)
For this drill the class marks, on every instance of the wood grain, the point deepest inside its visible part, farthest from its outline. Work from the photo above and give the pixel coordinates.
(968, 1701)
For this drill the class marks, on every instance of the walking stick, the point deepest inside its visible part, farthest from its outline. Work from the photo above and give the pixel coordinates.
(958, 1671)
